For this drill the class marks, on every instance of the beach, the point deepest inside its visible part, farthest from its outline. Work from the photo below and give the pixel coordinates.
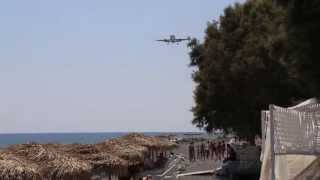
(198, 165)
(132, 155)
(121, 157)
(180, 167)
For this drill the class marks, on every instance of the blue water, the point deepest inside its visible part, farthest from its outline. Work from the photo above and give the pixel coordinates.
(63, 138)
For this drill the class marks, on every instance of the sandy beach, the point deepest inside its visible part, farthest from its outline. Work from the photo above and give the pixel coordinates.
(198, 165)
(184, 166)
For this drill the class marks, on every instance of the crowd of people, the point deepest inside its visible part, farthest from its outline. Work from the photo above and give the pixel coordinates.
(215, 150)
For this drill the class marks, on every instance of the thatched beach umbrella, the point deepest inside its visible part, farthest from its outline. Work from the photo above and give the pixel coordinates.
(117, 156)
(133, 153)
(149, 141)
(135, 147)
(11, 167)
(102, 162)
(53, 164)
(139, 150)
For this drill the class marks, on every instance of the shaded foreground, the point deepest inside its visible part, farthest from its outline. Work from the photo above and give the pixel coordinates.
(115, 158)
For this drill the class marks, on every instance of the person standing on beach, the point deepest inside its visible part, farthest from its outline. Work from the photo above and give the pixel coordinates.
(212, 149)
(208, 150)
(223, 149)
(202, 151)
(231, 154)
(219, 149)
(198, 152)
(191, 152)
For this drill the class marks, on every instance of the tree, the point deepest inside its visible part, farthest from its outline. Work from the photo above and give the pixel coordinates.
(242, 67)
(304, 37)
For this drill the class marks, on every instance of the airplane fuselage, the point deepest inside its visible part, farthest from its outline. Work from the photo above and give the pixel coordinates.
(173, 39)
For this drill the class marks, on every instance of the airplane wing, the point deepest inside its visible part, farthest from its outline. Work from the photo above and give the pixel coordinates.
(179, 40)
(163, 40)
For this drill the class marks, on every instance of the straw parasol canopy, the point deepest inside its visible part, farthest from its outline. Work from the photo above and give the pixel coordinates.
(149, 141)
(133, 147)
(11, 167)
(116, 156)
(52, 163)
(133, 153)
(100, 161)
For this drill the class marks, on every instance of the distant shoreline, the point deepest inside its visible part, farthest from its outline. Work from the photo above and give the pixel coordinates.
(7, 139)
(92, 132)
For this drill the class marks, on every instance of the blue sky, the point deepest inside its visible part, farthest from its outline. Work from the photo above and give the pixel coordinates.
(86, 66)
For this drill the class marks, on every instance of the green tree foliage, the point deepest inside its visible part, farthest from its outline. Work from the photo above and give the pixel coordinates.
(241, 67)
(304, 38)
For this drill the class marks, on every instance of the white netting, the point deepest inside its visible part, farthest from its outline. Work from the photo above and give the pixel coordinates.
(310, 105)
(296, 132)
(295, 142)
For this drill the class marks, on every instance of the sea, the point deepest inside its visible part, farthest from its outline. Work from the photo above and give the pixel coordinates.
(67, 138)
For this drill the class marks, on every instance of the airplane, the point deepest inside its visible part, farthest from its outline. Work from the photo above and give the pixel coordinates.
(172, 39)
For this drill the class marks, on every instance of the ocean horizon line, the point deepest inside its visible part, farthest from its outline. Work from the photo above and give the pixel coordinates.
(95, 132)
(71, 137)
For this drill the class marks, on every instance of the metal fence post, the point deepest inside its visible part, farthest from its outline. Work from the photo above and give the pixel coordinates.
(271, 109)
